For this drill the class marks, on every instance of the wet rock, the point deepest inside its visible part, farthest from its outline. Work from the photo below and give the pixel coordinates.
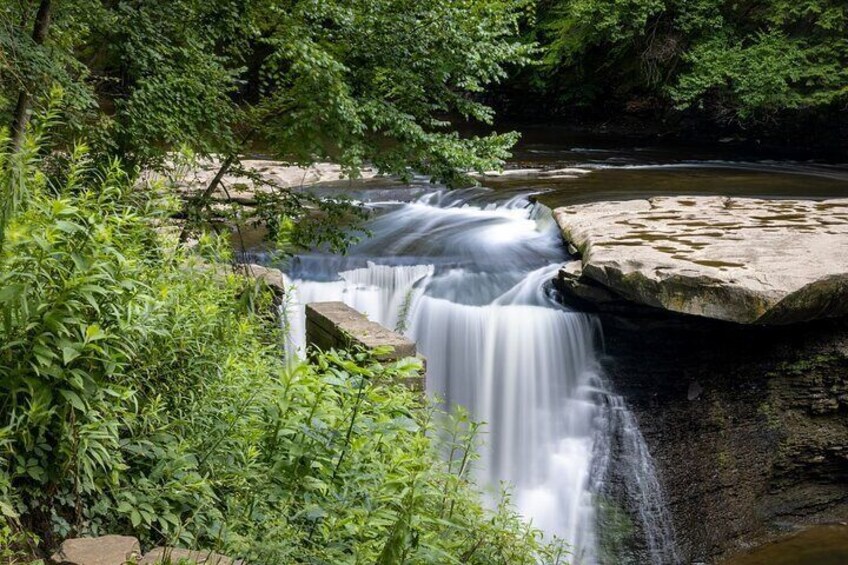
(763, 448)
(104, 550)
(742, 260)
(570, 278)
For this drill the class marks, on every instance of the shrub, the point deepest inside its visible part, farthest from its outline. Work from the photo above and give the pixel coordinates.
(139, 394)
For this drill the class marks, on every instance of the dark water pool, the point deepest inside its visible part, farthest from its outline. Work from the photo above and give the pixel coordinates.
(564, 167)
(571, 168)
(820, 545)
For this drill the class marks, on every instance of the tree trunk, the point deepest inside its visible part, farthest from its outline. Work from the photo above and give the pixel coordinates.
(20, 118)
(216, 180)
(198, 201)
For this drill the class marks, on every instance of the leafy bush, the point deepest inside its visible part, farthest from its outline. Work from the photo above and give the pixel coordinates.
(139, 394)
(739, 61)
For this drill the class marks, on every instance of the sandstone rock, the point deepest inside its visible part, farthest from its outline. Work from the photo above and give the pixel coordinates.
(276, 173)
(272, 277)
(743, 260)
(175, 555)
(571, 278)
(335, 324)
(104, 550)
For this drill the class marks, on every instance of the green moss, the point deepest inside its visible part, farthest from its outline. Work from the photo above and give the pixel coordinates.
(615, 531)
(812, 363)
(724, 460)
(771, 415)
(718, 416)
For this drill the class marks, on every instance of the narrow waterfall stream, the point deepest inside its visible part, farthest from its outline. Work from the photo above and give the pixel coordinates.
(467, 275)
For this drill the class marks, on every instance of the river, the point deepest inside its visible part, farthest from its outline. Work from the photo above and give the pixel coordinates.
(467, 274)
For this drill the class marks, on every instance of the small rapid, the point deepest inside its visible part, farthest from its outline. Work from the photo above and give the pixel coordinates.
(467, 275)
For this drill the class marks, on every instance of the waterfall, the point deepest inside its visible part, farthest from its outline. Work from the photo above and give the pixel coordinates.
(467, 276)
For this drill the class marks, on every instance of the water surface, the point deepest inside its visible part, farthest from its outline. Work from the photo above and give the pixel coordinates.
(819, 545)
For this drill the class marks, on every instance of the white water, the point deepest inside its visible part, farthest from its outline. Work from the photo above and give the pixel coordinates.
(467, 277)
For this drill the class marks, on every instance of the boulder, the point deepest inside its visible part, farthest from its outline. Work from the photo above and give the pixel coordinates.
(103, 550)
(272, 277)
(743, 260)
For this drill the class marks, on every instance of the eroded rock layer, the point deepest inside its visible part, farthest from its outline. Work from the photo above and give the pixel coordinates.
(748, 426)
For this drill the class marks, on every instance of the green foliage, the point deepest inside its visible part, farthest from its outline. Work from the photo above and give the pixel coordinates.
(37, 69)
(740, 61)
(349, 81)
(138, 395)
(375, 81)
(616, 530)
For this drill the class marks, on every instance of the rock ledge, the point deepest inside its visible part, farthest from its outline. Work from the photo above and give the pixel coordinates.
(743, 260)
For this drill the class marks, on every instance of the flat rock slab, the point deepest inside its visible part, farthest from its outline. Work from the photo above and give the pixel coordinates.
(335, 324)
(103, 550)
(742, 260)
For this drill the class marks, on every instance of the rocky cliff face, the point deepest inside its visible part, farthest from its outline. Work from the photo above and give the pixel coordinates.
(748, 426)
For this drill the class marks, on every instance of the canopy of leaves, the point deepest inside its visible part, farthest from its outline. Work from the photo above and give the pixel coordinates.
(346, 80)
(740, 61)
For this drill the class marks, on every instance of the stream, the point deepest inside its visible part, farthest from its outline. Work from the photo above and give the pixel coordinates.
(467, 275)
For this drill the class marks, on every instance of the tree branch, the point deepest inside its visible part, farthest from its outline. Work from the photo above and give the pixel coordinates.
(20, 118)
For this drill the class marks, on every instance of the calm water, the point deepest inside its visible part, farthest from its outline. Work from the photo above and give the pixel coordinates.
(563, 168)
(820, 545)
(612, 169)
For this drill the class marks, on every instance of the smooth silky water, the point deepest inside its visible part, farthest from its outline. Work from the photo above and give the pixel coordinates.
(467, 274)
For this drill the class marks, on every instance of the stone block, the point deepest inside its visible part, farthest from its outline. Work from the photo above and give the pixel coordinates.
(335, 324)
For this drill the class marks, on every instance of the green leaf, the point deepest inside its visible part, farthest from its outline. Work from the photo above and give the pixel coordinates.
(135, 518)
(69, 354)
(74, 399)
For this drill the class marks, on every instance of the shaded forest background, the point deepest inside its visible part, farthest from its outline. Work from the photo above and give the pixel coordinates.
(773, 69)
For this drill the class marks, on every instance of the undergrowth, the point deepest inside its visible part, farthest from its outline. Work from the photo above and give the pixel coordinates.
(143, 392)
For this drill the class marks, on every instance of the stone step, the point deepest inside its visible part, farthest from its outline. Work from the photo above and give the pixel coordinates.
(124, 550)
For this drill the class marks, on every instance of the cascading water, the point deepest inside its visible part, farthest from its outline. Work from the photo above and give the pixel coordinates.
(468, 277)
